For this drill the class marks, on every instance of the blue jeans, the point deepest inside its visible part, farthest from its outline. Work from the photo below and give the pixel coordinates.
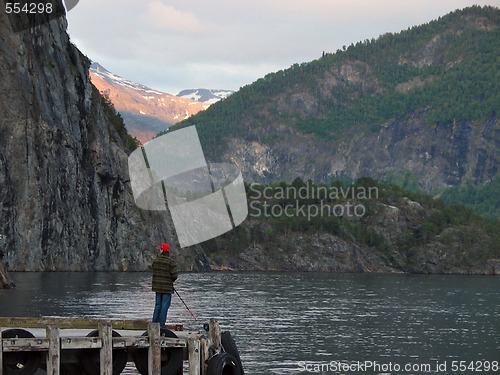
(162, 304)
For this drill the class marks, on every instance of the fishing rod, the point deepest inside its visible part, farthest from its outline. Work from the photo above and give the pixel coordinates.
(187, 307)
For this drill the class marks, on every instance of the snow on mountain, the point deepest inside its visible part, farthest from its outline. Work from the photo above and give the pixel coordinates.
(145, 111)
(205, 95)
(111, 78)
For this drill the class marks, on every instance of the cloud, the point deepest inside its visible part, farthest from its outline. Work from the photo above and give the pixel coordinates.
(168, 18)
(176, 44)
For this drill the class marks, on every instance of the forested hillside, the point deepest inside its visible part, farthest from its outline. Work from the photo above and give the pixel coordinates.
(484, 199)
(366, 226)
(422, 103)
(448, 66)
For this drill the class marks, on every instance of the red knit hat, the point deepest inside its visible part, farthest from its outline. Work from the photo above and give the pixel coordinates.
(164, 247)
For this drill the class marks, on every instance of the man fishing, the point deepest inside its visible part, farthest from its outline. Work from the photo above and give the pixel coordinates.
(164, 274)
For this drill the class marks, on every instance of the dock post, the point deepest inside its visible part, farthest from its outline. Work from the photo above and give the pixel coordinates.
(204, 355)
(154, 351)
(54, 353)
(214, 337)
(1, 351)
(106, 353)
(194, 356)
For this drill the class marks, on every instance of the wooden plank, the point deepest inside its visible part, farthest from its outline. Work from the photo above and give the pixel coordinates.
(194, 355)
(106, 352)
(130, 342)
(80, 343)
(25, 345)
(76, 323)
(42, 344)
(143, 342)
(54, 353)
(167, 342)
(79, 323)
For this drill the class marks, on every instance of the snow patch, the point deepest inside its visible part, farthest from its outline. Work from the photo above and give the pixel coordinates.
(205, 95)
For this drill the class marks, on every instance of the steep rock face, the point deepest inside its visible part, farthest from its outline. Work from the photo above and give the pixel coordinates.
(65, 197)
(437, 156)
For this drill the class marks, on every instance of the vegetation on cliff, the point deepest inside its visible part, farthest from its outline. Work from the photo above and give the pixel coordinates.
(394, 229)
(447, 68)
(129, 143)
(484, 199)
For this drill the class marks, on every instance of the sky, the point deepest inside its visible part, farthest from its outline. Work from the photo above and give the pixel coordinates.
(171, 45)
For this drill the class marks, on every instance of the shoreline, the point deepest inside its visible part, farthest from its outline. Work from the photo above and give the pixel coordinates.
(242, 271)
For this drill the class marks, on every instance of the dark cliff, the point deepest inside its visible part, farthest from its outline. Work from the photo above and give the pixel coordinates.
(433, 156)
(65, 197)
(5, 280)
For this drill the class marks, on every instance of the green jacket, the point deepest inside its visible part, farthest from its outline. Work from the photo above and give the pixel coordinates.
(164, 274)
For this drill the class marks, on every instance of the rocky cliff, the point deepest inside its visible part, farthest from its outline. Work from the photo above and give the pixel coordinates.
(435, 156)
(65, 197)
(5, 280)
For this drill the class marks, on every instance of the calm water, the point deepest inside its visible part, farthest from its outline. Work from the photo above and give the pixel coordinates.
(281, 319)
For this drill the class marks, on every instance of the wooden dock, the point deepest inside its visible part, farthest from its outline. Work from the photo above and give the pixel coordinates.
(57, 347)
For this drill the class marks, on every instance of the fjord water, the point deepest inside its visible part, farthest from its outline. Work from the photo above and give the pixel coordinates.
(283, 321)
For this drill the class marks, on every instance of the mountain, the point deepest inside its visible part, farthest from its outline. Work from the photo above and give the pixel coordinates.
(65, 198)
(205, 95)
(146, 112)
(420, 106)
